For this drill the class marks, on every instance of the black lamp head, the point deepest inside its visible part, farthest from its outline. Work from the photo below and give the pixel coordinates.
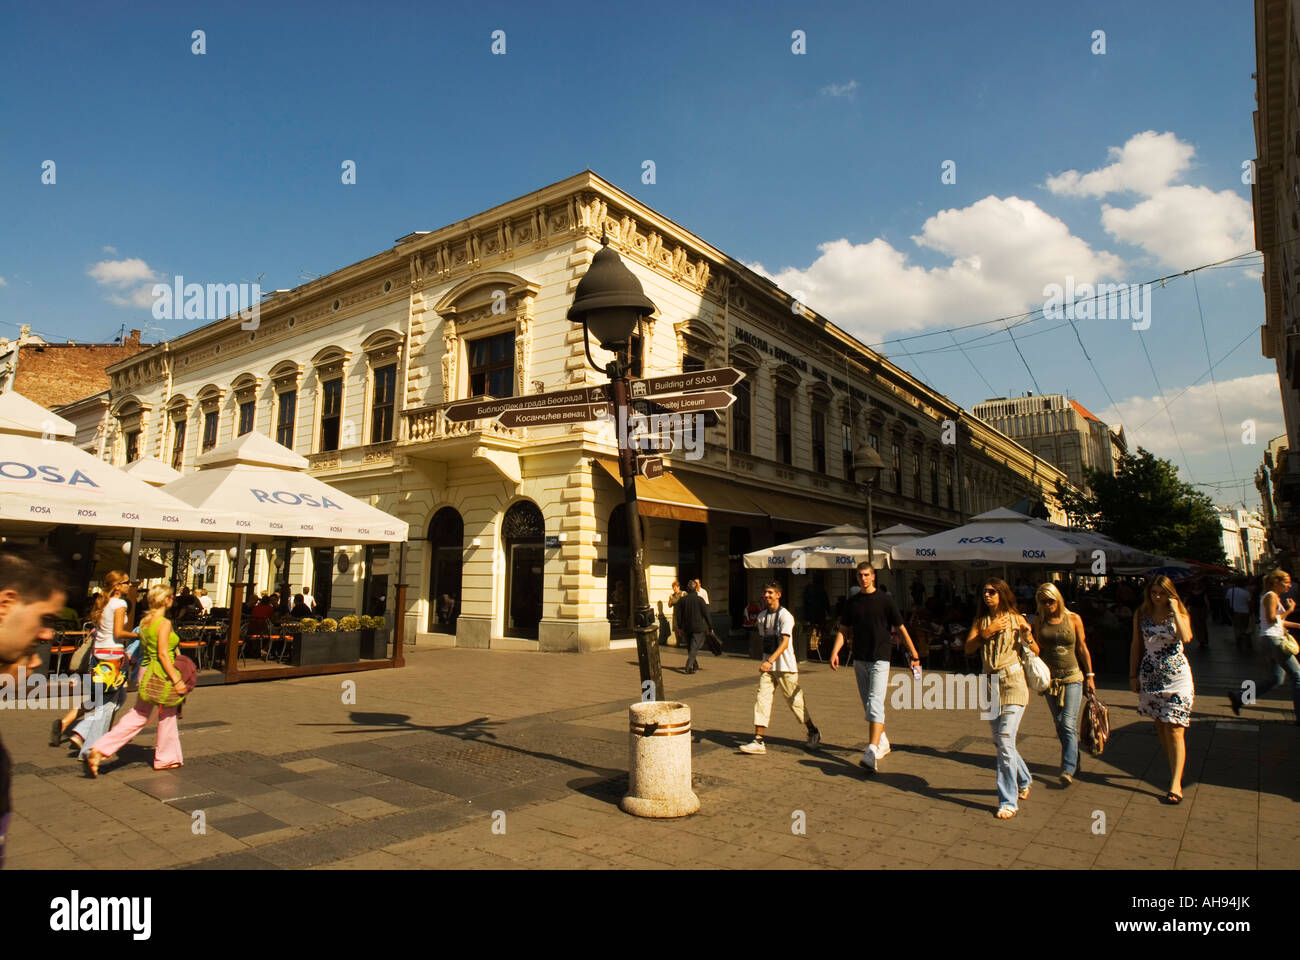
(609, 299)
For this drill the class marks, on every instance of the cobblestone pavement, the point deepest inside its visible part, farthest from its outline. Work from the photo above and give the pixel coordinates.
(477, 758)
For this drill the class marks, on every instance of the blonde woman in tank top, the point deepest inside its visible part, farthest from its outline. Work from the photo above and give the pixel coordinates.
(1274, 619)
(1060, 636)
(998, 632)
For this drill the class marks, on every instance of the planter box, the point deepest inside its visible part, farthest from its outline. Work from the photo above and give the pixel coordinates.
(374, 644)
(317, 648)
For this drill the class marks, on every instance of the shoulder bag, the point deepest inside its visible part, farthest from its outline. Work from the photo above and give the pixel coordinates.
(160, 690)
(83, 652)
(1037, 675)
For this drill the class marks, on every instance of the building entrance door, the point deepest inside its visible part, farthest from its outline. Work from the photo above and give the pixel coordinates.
(523, 536)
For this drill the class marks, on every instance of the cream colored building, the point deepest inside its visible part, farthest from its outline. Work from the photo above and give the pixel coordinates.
(522, 528)
(1060, 430)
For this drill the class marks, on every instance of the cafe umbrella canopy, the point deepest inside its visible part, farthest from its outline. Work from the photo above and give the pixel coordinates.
(266, 485)
(998, 536)
(836, 548)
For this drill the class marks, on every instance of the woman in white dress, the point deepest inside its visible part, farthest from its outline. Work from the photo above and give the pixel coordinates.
(1160, 674)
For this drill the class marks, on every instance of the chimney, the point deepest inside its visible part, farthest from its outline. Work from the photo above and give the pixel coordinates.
(134, 339)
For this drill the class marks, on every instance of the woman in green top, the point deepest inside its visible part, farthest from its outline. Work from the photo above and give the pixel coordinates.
(158, 647)
(1059, 633)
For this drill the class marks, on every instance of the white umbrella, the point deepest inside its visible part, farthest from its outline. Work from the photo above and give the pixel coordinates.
(267, 486)
(151, 471)
(45, 480)
(998, 536)
(1089, 541)
(842, 547)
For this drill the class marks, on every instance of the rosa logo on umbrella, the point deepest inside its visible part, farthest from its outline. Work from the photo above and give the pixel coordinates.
(16, 470)
(925, 551)
(982, 540)
(285, 498)
(1034, 554)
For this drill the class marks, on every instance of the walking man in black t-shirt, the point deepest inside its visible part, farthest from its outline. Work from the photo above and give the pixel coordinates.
(870, 616)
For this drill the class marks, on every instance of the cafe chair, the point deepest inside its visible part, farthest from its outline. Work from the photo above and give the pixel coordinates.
(192, 642)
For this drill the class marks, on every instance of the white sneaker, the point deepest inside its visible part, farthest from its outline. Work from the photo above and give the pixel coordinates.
(883, 747)
(868, 758)
(757, 747)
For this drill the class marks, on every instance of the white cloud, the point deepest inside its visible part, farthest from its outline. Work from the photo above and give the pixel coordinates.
(121, 273)
(112, 250)
(840, 89)
(1185, 226)
(2, 282)
(132, 278)
(1252, 398)
(1147, 162)
(1002, 251)
(1180, 225)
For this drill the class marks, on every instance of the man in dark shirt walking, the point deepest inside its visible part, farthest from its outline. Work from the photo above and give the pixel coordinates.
(693, 620)
(870, 616)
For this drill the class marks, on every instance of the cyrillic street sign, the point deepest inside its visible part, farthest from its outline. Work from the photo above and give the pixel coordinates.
(689, 402)
(651, 467)
(551, 416)
(487, 408)
(680, 382)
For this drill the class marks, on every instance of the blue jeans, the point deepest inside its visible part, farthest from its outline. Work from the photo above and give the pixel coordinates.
(1284, 665)
(98, 720)
(1067, 725)
(873, 679)
(1013, 772)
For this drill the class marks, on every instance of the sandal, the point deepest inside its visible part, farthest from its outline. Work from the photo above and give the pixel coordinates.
(1005, 813)
(1172, 799)
(93, 761)
(1023, 794)
(169, 766)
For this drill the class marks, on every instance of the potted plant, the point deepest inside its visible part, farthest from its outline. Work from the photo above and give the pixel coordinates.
(327, 641)
(374, 638)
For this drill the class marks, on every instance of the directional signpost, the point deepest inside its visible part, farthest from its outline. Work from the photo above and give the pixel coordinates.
(690, 402)
(685, 382)
(550, 416)
(484, 408)
(651, 467)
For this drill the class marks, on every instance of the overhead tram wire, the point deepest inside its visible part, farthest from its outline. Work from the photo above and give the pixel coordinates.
(978, 372)
(1249, 336)
(1156, 377)
(1023, 360)
(1213, 382)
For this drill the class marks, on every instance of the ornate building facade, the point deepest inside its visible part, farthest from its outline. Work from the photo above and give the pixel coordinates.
(519, 537)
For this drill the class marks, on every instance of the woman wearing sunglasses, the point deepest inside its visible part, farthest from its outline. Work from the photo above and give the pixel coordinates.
(999, 631)
(1060, 633)
(1161, 676)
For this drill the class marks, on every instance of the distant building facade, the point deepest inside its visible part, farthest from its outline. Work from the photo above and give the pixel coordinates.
(1243, 538)
(1060, 430)
(54, 374)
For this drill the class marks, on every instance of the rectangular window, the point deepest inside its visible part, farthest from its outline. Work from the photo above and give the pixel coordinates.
(331, 413)
(896, 459)
(740, 417)
(691, 364)
(846, 451)
(178, 443)
(934, 481)
(874, 441)
(819, 441)
(492, 366)
(381, 418)
(784, 430)
(917, 491)
(284, 418)
(246, 412)
(132, 446)
(210, 429)
(947, 482)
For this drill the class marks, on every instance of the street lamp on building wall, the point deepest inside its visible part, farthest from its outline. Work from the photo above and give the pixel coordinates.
(609, 303)
(866, 471)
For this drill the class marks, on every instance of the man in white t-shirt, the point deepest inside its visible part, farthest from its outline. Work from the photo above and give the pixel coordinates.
(204, 600)
(308, 599)
(1238, 600)
(778, 669)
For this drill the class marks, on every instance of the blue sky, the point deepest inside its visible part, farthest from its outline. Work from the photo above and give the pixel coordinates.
(822, 168)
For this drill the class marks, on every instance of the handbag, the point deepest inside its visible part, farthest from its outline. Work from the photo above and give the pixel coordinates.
(79, 658)
(1096, 725)
(160, 690)
(1037, 675)
(714, 642)
(1287, 644)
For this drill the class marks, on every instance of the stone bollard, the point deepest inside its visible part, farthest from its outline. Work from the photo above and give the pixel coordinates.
(659, 761)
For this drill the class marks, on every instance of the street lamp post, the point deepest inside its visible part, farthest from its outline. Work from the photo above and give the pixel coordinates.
(609, 302)
(866, 471)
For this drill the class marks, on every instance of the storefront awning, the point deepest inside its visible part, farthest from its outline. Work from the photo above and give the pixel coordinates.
(663, 497)
(689, 496)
